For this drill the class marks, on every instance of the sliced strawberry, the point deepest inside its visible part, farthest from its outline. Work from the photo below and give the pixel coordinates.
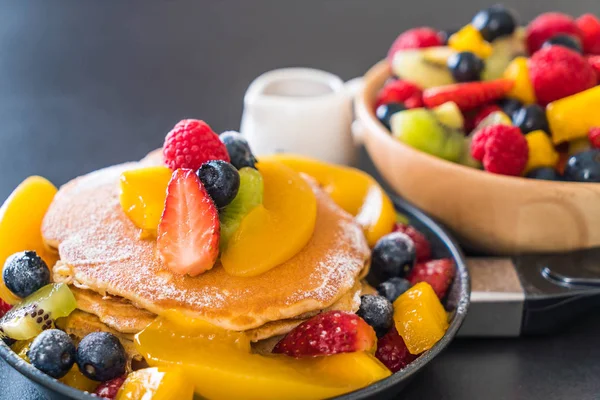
(400, 91)
(392, 351)
(467, 96)
(422, 245)
(328, 333)
(188, 233)
(109, 389)
(4, 307)
(438, 273)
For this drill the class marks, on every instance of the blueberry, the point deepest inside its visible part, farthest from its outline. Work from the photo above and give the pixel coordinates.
(544, 173)
(510, 106)
(221, 180)
(393, 255)
(378, 312)
(494, 22)
(584, 167)
(531, 118)
(25, 272)
(568, 41)
(393, 288)
(52, 352)
(101, 357)
(239, 150)
(385, 111)
(465, 66)
(445, 35)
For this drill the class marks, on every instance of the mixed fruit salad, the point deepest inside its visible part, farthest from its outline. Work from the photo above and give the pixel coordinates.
(511, 100)
(208, 202)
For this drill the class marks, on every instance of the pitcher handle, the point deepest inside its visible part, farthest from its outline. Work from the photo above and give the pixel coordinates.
(352, 88)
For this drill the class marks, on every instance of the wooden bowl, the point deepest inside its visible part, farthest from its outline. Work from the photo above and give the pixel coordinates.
(487, 212)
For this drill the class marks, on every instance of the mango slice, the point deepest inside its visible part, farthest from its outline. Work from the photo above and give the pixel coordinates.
(220, 369)
(276, 230)
(21, 218)
(142, 196)
(420, 318)
(162, 383)
(353, 190)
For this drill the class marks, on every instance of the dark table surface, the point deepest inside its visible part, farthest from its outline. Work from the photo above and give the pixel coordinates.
(85, 84)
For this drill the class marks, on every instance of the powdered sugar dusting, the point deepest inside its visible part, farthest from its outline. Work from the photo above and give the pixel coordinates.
(104, 251)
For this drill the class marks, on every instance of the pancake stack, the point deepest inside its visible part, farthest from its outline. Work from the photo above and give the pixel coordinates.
(121, 285)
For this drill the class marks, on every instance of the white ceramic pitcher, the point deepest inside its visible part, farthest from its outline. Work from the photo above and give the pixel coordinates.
(303, 111)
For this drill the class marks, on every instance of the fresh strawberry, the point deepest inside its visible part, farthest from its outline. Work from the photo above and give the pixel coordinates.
(190, 144)
(594, 137)
(594, 62)
(558, 72)
(416, 38)
(399, 91)
(546, 26)
(589, 27)
(392, 351)
(422, 245)
(188, 232)
(328, 333)
(438, 273)
(502, 149)
(467, 96)
(109, 389)
(4, 307)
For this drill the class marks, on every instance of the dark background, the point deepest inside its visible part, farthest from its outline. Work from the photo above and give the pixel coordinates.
(89, 83)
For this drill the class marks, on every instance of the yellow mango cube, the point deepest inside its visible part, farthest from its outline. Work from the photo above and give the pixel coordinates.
(572, 117)
(420, 318)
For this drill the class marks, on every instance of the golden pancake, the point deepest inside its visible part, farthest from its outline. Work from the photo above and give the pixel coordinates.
(122, 316)
(117, 313)
(100, 250)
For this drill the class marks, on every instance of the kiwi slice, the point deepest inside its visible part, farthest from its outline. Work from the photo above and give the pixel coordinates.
(250, 195)
(38, 312)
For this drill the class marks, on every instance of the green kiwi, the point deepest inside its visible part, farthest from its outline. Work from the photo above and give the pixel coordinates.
(250, 195)
(37, 312)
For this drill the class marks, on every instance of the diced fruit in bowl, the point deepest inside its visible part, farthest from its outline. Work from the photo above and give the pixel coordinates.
(414, 66)
(543, 76)
(419, 128)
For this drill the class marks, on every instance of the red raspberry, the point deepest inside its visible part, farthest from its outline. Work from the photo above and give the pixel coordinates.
(422, 245)
(502, 149)
(400, 91)
(558, 72)
(594, 62)
(438, 273)
(589, 26)
(4, 307)
(546, 26)
(190, 144)
(594, 137)
(109, 389)
(392, 351)
(416, 38)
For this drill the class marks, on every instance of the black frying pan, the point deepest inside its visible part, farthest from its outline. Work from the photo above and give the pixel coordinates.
(457, 303)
